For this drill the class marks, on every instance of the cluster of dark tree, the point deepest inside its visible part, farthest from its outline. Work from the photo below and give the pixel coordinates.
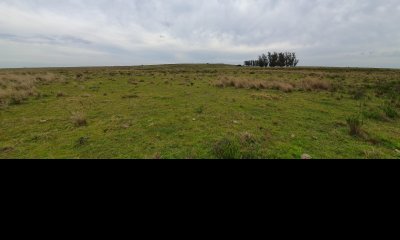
(274, 60)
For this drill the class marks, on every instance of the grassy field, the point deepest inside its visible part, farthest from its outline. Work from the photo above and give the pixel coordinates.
(199, 111)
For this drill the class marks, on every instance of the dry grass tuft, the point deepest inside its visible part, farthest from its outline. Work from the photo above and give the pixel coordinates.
(281, 85)
(247, 137)
(254, 84)
(79, 119)
(315, 84)
(15, 88)
(60, 94)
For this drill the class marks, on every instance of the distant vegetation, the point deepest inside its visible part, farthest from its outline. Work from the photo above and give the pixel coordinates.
(274, 60)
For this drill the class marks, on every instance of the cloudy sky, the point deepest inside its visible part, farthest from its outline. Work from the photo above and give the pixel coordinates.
(35, 33)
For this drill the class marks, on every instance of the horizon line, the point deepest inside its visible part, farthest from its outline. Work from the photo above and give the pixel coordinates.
(166, 64)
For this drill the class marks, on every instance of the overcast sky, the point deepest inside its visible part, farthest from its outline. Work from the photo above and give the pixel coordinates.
(360, 33)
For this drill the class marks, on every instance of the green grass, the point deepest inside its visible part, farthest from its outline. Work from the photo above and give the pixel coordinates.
(176, 111)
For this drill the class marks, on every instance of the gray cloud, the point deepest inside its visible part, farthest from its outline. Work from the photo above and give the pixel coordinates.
(48, 39)
(128, 32)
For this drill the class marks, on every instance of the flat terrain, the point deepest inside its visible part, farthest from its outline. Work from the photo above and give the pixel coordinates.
(199, 111)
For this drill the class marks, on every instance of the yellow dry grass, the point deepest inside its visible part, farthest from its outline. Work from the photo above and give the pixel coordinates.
(308, 84)
(15, 88)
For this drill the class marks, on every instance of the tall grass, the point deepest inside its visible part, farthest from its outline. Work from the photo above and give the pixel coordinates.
(15, 88)
(281, 85)
(355, 125)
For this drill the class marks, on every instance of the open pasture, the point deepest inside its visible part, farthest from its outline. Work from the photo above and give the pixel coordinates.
(199, 111)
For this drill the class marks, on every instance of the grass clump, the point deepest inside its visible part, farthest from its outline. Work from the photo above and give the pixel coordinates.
(373, 154)
(199, 110)
(390, 111)
(355, 125)
(60, 94)
(314, 84)
(375, 115)
(82, 141)
(79, 119)
(243, 147)
(227, 149)
(358, 94)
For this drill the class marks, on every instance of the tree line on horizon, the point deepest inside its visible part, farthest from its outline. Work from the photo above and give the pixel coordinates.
(275, 59)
